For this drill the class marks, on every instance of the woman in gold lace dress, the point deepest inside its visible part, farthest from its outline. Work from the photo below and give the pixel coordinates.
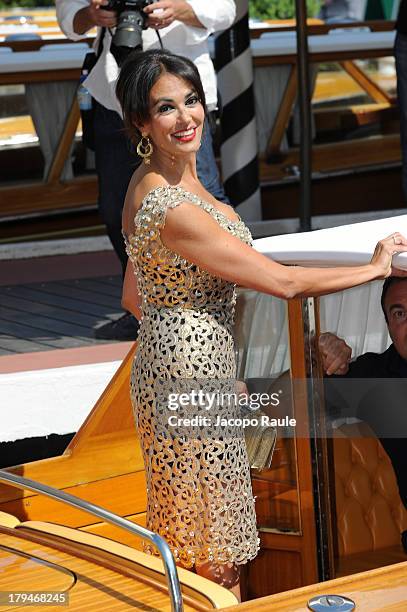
(188, 251)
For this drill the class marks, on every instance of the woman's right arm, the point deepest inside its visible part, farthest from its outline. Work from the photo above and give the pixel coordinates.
(131, 299)
(196, 236)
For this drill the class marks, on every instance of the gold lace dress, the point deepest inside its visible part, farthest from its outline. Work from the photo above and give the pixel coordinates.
(198, 487)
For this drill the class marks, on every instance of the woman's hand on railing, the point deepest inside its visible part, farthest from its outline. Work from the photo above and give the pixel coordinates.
(383, 255)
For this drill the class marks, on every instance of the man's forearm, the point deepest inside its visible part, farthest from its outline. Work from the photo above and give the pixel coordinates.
(82, 22)
(187, 15)
(163, 12)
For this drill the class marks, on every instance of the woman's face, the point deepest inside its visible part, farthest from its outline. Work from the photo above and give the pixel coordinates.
(176, 116)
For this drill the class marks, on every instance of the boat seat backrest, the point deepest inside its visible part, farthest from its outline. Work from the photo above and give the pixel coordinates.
(370, 514)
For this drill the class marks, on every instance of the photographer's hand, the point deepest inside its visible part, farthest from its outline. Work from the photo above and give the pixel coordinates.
(161, 14)
(94, 15)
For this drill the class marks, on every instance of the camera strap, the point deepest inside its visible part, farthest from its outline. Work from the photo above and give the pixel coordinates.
(159, 39)
(100, 44)
(88, 114)
(91, 57)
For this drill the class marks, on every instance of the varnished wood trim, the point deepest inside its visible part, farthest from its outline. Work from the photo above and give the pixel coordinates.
(97, 587)
(366, 83)
(115, 556)
(321, 57)
(102, 414)
(39, 76)
(380, 589)
(8, 520)
(65, 143)
(27, 198)
(283, 114)
(304, 459)
(339, 155)
(129, 497)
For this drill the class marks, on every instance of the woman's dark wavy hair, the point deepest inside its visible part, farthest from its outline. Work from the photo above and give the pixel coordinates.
(140, 71)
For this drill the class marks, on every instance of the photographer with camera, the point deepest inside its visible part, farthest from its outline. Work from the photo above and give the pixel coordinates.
(181, 26)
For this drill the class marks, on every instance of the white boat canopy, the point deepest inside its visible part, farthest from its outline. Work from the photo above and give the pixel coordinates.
(337, 246)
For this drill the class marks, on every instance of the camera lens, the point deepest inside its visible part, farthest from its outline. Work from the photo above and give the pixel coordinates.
(129, 30)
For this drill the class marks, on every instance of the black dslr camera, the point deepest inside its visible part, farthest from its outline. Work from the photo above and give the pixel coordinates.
(131, 21)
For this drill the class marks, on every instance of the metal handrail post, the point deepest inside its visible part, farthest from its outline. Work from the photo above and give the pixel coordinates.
(162, 546)
(304, 99)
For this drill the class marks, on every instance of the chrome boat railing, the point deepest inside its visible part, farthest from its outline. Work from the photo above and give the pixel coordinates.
(174, 588)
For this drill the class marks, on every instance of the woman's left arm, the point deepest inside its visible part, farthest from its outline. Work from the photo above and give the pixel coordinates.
(131, 298)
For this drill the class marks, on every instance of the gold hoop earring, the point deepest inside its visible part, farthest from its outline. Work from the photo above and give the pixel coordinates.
(145, 149)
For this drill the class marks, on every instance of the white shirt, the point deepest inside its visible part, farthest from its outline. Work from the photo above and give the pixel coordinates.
(178, 37)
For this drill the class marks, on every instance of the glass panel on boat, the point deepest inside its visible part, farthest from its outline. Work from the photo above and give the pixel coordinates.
(264, 364)
(333, 485)
(366, 436)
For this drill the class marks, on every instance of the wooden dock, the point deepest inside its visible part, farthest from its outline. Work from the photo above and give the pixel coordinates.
(55, 302)
(57, 314)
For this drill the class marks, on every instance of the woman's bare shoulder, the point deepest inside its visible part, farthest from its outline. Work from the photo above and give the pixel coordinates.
(141, 184)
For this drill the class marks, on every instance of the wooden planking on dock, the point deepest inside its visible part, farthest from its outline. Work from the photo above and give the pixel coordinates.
(56, 314)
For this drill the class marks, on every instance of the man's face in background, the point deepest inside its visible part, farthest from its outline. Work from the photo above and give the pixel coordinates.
(395, 305)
